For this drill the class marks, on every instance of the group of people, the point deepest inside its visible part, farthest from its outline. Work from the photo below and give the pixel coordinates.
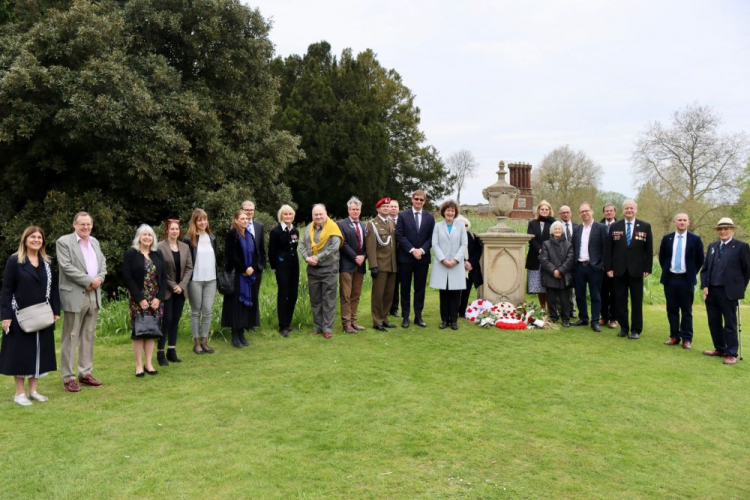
(611, 258)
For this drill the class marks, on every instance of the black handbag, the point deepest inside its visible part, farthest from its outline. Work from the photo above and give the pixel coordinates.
(146, 326)
(225, 282)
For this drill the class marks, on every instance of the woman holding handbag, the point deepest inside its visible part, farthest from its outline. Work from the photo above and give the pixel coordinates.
(146, 279)
(28, 349)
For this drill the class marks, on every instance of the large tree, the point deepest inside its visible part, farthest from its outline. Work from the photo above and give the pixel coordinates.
(690, 162)
(462, 165)
(359, 130)
(134, 111)
(566, 177)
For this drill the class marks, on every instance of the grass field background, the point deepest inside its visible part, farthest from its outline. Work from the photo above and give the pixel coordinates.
(411, 413)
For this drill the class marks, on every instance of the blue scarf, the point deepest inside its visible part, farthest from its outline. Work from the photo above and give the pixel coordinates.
(248, 248)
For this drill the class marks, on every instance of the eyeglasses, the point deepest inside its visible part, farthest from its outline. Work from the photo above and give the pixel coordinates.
(417, 199)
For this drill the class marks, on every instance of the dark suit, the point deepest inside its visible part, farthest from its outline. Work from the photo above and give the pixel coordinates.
(590, 272)
(475, 277)
(351, 276)
(608, 290)
(260, 248)
(571, 287)
(679, 288)
(395, 303)
(629, 263)
(726, 279)
(282, 257)
(408, 238)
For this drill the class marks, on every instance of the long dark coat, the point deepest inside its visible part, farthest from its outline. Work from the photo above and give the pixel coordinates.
(557, 254)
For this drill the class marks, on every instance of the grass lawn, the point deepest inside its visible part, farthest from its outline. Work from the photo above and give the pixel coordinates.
(417, 413)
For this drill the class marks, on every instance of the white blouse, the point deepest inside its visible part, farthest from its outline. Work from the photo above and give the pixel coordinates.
(204, 267)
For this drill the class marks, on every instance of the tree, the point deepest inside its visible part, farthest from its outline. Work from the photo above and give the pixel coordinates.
(605, 197)
(566, 177)
(135, 111)
(358, 127)
(461, 164)
(690, 162)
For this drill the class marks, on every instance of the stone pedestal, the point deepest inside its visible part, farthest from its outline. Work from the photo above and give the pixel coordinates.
(503, 263)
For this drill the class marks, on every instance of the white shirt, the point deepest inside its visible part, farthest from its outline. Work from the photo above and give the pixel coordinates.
(204, 267)
(583, 256)
(251, 228)
(674, 253)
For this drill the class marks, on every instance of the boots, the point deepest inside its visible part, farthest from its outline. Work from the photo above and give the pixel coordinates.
(243, 340)
(172, 355)
(161, 359)
(204, 346)
(236, 340)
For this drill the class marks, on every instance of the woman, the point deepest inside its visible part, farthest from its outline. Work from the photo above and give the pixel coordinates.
(28, 280)
(472, 266)
(202, 286)
(449, 243)
(282, 254)
(179, 266)
(556, 262)
(146, 279)
(240, 255)
(539, 228)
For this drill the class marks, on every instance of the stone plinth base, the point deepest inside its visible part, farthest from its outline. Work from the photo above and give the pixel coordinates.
(503, 263)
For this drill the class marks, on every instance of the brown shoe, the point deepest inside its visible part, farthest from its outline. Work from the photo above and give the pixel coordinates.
(613, 324)
(686, 344)
(715, 353)
(72, 386)
(350, 329)
(358, 327)
(89, 380)
(327, 335)
(672, 341)
(730, 360)
(602, 322)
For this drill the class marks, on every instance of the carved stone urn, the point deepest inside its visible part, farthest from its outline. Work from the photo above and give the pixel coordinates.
(500, 196)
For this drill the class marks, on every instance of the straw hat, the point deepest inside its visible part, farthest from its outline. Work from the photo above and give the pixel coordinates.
(725, 222)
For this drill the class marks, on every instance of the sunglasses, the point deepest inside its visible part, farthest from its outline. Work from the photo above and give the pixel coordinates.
(417, 199)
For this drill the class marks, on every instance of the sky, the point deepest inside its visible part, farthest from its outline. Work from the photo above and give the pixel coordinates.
(513, 80)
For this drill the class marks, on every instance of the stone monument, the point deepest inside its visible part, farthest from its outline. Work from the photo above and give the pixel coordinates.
(504, 255)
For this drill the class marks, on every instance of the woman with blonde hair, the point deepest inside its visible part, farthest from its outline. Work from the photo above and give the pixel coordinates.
(282, 257)
(28, 280)
(539, 227)
(201, 291)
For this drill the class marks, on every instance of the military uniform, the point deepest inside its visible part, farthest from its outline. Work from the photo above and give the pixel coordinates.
(381, 253)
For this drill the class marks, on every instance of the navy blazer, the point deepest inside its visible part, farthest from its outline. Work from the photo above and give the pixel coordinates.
(597, 244)
(693, 256)
(260, 245)
(634, 259)
(22, 281)
(737, 255)
(408, 237)
(350, 249)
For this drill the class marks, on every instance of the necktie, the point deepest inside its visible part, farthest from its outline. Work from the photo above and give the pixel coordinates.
(721, 249)
(678, 255)
(567, 231)
(416, 218)
(628, 234)
(359, 235)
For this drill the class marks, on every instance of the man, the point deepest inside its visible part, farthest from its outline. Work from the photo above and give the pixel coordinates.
(257, 230)
(608, 284)
(320, 246)
(414, 238)
(351, 265)
(394, 217)
(724, 278)
(680, 258)
(630, 256)
(82, 271)
(568, 230)
(589, 245)
(381, 252)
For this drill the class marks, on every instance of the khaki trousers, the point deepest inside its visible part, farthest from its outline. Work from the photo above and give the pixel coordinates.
(350, 289)
(78, 333)
(383, 286)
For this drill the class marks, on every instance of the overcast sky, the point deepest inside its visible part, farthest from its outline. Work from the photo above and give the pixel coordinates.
(513, 80)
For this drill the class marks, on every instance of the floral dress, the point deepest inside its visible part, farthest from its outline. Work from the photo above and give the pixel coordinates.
(150, 290)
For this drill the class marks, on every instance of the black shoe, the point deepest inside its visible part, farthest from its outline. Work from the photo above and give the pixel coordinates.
(196, 351)
(454, 326)
(634, 336)
(622, 333)
(284, 333)
(161, 359)
(419, 322)
(243, 340)
(595, 327)
(380, 328)
(581, 322)
(405, 323)
(206, 349)
(388, 325)
(443, 325)
(566, 323)
(235, 342)
(152, 372)
(172, 356)
(141, 374)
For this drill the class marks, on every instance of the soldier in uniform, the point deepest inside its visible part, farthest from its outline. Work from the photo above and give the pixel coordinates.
(381, 253)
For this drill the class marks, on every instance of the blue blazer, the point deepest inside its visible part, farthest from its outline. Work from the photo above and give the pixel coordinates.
(737, 255)
(693, 256)
(597, 243)
(408, 237)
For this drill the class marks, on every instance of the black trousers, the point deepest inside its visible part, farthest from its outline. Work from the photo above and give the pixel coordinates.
(419, 272)
(632, 285)
(449, 300)
(585, 275)
(559, 296)
(287, 282)
(255, 308)
(171, 319)
(394, 305)
(608, 299)
(463, 303)
(679, 292)
(722, 320)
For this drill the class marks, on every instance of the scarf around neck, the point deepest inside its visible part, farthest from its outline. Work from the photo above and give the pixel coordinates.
(248, 248)
(329, 229)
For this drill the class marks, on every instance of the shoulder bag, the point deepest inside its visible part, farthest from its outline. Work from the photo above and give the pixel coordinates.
(39, 316)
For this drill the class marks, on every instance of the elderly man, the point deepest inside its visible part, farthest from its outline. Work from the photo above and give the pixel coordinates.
(680, 258)
(724, 278)
(82, 271)
(568, 230)
(394, 216)
(630, 257)
(351, 265)
(589, 245)
(608, 284)
(258, 232)
(381, 252)
(319, 247)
